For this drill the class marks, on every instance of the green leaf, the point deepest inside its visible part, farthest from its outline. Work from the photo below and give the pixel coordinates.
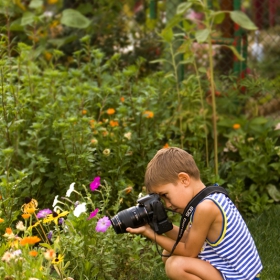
(34, 4)
(46, 245)
(183, 7)
(273, 192)
(27, 18)
(167, 34)
(75, 19)
(218, 17)
(202, 35)
(243, 20)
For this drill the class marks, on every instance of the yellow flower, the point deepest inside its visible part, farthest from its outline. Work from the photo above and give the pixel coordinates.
(47, 56)
(111, 111)
(236, 126)
(54, 217)
(35, 225)
(84, 112)
(1, 220)
(29, 206)
(57, 259)
(31, 240)
(148, 114)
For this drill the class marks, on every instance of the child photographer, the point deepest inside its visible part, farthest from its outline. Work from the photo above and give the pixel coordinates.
(217, 244)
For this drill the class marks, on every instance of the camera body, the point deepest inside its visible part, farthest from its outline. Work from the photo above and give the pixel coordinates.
(149, 210)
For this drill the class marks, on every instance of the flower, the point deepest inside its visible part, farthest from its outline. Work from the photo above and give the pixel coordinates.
(33, 253)
(49, 254)
(54, 217)
(103, 224)
(106, 152)
(20, 226)
(31, 240)
(94, 141)
(84, 112)
(55, 201)
(7, 256)
(111, 111)
(128, 190)
(35, 225)
(1, 220)
(148, 114)
(57, 259)
(25, 216)
(166, 146)
(51, 2)
(93, 214)
(114, 123)
(29, 206)
(43, 213)
(17, 252)
(236, 126)
(81, 208)
(127, 135)
(277, 127)
(122, 99)
(9, 233)
(95, 183)
(50, 234)
(70, 190)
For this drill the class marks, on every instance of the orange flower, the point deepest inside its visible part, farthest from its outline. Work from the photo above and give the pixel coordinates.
(25, 216)
(9, 230)
(122, 99)
(1, 220)
(51, 2)
(128, 190)
(111, 111)
(31, 240)
(91, 122)
(148, 114)
(114, 123)
(47, 56)
(236, 126)
(166, 146)
(84, 112)
(33, 253)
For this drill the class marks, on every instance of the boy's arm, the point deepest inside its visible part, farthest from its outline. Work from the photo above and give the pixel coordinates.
(204, 221)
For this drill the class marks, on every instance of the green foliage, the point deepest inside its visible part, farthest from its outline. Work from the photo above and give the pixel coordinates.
(75, 247)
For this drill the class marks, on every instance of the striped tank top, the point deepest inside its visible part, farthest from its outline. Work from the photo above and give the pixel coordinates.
(234, 254)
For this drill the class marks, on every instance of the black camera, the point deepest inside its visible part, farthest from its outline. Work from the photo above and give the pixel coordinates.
(149, 210)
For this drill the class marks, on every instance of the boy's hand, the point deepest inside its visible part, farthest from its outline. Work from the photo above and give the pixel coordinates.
(144, 230)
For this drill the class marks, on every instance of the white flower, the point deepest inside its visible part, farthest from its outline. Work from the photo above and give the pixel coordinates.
(20, 226)
(127, 135)
(55, 201)
(106, 152)
(57, 209)
(277, 127)
(70, 190)
(81, 208)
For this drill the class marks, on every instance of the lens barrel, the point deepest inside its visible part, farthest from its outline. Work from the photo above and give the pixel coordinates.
(133, 217)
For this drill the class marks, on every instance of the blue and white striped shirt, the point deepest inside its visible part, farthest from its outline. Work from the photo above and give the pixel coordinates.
(234, 254)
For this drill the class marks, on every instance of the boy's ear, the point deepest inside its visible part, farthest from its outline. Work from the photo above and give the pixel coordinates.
(184, 178)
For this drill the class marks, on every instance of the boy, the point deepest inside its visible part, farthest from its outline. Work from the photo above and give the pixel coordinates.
(217, 245)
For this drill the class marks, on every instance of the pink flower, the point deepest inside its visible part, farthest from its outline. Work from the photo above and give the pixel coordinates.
(95, 184)
(103, 224)
(93, 214)
(44, 213)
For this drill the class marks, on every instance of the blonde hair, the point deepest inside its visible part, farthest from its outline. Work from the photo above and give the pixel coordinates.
(167, 164)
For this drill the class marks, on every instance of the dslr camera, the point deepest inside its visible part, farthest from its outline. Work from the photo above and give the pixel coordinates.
(149, 210)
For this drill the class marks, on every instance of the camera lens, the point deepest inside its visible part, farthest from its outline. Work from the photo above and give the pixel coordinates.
(133, 217)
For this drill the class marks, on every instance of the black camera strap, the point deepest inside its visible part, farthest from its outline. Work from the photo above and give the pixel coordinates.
(186, 216)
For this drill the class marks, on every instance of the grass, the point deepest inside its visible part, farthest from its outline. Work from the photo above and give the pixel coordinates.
(265, 229)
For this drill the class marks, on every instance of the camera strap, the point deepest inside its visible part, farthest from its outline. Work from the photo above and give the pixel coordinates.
(186, 216)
